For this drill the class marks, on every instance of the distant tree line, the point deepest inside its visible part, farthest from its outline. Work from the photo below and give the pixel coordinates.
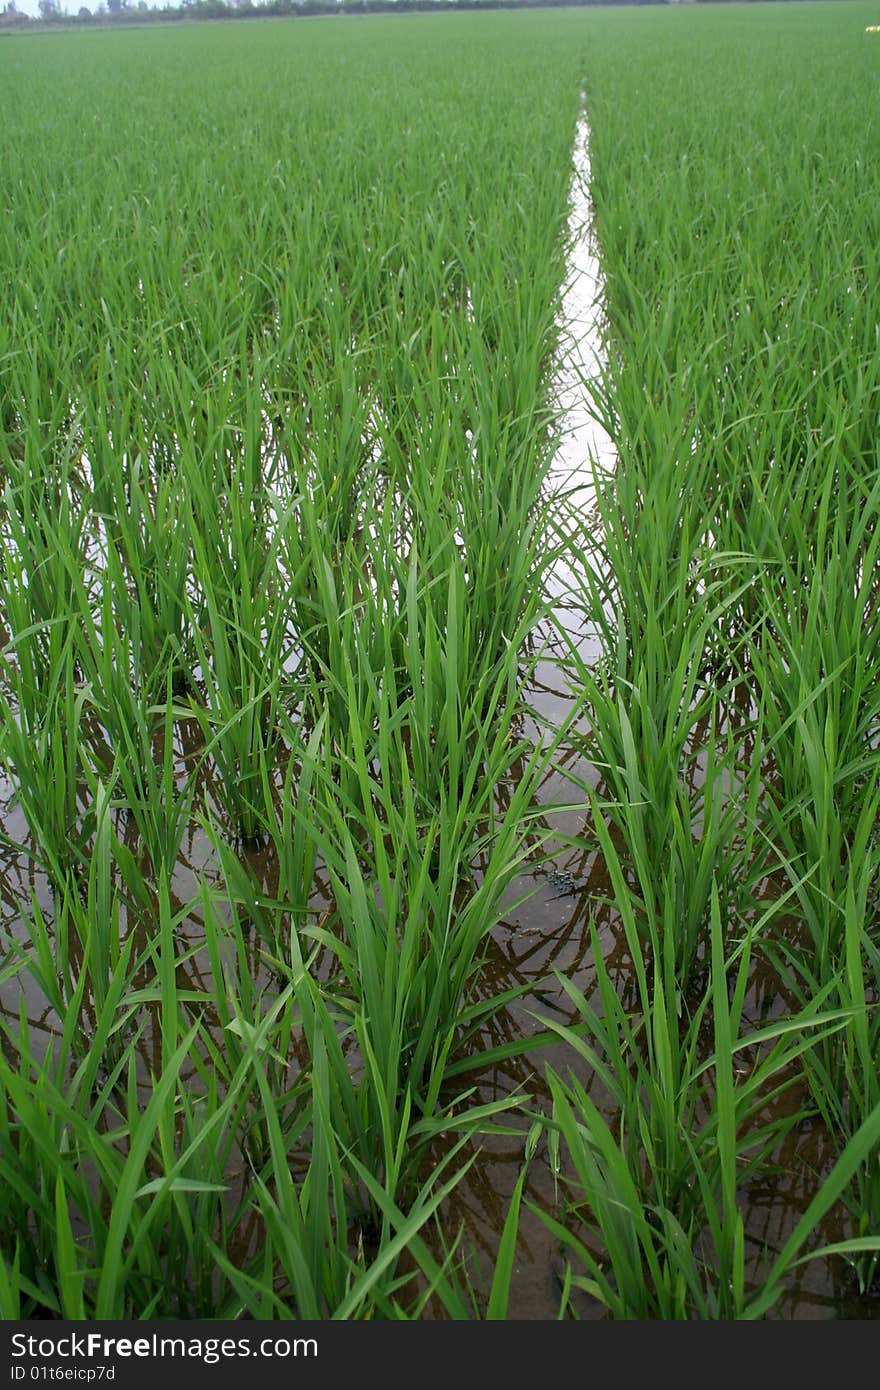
(140, 12)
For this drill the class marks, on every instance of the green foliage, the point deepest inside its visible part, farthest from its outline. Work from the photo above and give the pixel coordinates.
(272, 455)
(277, 367)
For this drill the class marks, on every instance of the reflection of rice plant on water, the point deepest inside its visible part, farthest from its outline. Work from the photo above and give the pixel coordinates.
(291, 582)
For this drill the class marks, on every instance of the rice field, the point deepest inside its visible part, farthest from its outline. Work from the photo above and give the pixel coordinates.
(437, 883)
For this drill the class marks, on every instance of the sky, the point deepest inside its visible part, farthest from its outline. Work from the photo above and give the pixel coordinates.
(71, 6)
(30, 6)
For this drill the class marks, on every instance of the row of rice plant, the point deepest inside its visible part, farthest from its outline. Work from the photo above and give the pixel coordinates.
(275, 432)
(735, 710)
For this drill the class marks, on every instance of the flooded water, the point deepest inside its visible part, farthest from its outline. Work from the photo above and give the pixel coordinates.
(564, 895)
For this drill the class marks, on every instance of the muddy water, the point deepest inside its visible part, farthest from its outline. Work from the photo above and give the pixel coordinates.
(549, 932)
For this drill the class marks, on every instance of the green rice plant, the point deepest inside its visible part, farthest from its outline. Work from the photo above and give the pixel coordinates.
(84, 955)
(154, 1225)
(663, 726)
(842, 1071)
(650, 1061)
(43, 758)
(346, 616)
(44, 521)
(408, 945)
(239, 654)
(116, 1265)
(334, 460)
(141, 507)
(664, 1184)
(306, 1225)
(683, 805)
(41, 692)
(655, 1268)
(815, 666)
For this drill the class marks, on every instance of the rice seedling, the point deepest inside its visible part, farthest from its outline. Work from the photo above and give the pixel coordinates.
(278, 524)
(663, 1185)
(842, 1072)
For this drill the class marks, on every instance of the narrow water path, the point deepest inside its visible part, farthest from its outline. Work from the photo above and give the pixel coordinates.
(584, 444)
(550, 929)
